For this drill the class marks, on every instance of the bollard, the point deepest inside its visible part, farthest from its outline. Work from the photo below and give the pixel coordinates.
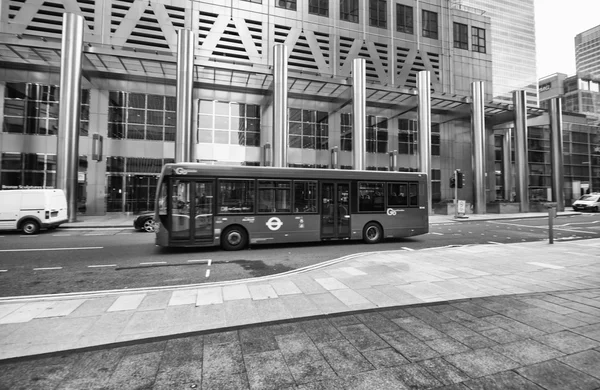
(551, 216)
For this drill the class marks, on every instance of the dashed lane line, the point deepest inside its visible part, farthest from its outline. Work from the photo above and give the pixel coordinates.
(102, 265)
(47, 268)
(154, 262)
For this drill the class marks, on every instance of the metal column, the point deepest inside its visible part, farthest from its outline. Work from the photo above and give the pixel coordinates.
(556, 138)
(479, 142)
(280, 106)
(359, 107)
(507, 164)
(521, 160)
(424, 124)
(67, 150)
(185, 137)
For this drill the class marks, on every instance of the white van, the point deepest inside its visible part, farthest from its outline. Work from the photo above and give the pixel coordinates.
(32, 210)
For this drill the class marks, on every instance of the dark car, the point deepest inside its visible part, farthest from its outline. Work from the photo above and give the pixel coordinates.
(145, 222)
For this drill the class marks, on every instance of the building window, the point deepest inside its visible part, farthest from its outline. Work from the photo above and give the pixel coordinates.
(309, 129)
(346, 132)
(430, 24)
(377, 13)
(407, 137)
(33, 109)
(141, 116)
(377, 134)
(318, 7)
(478, 39)
(404, 19)
(461, 36)
(228, 123)
(349, 10)
(254, 1)
(287, 4)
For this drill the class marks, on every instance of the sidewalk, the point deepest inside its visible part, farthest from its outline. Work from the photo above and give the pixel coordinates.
(372, 320)
(485, 316)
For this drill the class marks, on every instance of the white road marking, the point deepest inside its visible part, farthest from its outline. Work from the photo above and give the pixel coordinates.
(53, 249)
(407, 249)
(200, 261)
(540, 227)
(120, 234)
(61, 235)
(46, 268)
(546, 265)
(154, 262)
(102, 265)
(209, 262)
(207, 273)
(495, 243)
(3, 270)
(437, 234)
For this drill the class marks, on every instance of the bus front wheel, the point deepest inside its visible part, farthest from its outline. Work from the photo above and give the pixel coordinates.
(373, 233)
(234, 238)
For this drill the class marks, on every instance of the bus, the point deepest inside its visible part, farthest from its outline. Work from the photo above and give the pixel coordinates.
(236, 206)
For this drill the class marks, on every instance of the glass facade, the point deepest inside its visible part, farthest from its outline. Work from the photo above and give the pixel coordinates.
(512, 45)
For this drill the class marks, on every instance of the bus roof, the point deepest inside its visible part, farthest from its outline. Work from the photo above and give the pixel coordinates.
(241, 171)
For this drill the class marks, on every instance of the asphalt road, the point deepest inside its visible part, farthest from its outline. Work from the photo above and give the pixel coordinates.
(70, 260)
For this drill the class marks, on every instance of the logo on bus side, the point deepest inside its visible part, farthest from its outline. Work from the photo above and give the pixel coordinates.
(393, 212)
(181, 171)
(274, 223)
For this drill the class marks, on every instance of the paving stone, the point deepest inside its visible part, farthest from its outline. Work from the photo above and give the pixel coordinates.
(380, 379)
(507, 380)
(321, 330)
(344, 358)
(415, 377)
(222, 359)
(409, 346)
(443, 371)
(473, 309)
(44, 373)
(500, 335)
(256, 340)
(586, 361)
(553, 374)
(567, 341)
(514, 326)
(304, 360)
(237, 381)
(221, 337)
(181, 364)
(481, 362)
(384, 358)
(135, 371)
(377, 322)
(394, 313)
(330, 384)
(590, 331)
(447, 346)
(465, 335)
(527, 351)
(362, 337)
(418, 328)
(344, 320)
(268, 370)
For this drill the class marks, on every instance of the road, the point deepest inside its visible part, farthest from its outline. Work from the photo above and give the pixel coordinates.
(69, 260)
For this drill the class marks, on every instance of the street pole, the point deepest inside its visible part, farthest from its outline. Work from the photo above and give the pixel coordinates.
(455, 193)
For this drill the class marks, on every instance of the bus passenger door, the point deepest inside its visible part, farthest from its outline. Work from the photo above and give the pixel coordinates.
(203, 211)
(335, 210)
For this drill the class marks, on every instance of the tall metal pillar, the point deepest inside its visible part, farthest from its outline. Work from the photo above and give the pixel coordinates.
(556, 137)
(359, 107)
(67, 150)
(507, 164)
(185, 137)
(479, 141)
(521, 160)
(280, 106)
(424, 124)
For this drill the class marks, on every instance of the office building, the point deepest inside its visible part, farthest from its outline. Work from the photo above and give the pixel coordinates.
(587, 54)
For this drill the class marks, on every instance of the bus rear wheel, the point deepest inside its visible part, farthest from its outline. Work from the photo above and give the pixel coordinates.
(234, 238)
(373, 233)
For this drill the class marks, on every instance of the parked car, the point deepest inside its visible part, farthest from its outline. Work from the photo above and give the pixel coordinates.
(589, 202)
(145, 222)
